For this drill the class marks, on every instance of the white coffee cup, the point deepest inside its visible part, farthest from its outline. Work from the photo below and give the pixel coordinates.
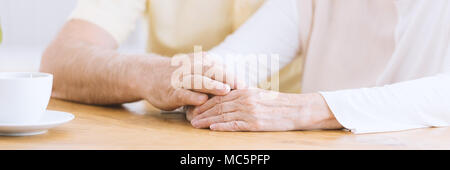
(24, 96)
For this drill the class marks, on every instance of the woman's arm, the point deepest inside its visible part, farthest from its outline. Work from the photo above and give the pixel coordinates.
(413, 104)
(408, 105)
(419, 103)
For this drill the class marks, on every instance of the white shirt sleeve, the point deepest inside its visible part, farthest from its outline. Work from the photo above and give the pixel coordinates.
(272, 31)
(407, 105)
(117, 17)
(412, 104)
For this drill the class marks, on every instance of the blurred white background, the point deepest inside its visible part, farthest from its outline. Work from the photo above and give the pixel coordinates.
(30, 25)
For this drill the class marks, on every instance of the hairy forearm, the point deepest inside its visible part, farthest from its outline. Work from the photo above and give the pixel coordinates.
(89, 74)
(92, 72)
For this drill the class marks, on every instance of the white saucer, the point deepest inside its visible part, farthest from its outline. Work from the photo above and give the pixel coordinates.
(49, 120)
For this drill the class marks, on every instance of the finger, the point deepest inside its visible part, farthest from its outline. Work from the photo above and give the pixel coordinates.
(205, 66)
(233, 126)
(206, 122)
(218, 109)
(218, 73)
(214, 101)
(189, 115)
(206, 85)
(187, 97)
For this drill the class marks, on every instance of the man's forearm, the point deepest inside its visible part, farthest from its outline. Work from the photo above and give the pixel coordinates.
(91, 74)
(87, 67)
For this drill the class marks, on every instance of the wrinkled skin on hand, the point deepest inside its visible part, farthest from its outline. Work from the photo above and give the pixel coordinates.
(249, 110)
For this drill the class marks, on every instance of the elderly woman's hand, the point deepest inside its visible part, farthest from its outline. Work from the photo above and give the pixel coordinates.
(258, 110)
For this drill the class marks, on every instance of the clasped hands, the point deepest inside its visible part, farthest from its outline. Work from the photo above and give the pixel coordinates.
(221, 102)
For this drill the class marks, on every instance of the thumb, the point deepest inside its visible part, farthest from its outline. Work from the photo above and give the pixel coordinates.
(187, 97)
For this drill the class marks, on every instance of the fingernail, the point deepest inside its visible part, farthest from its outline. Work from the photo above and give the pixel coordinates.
(224, 88)
(228, 88)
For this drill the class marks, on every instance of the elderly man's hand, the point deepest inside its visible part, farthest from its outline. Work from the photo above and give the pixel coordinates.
(259, 110)
(169, 83)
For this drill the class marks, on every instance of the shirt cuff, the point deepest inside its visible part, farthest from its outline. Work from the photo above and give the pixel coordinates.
(359, 111)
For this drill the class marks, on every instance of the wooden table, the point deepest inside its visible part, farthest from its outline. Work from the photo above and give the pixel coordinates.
(140, 126)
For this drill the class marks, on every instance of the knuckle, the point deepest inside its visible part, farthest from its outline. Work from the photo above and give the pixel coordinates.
(247, 100)
(250, 105)
(222, 118)
(235, 125)
(219, 108)
(252, 109)
(245, 92)
(209, 121)
(218, 99)
(257, 125)
(247, 108)
(178, 95)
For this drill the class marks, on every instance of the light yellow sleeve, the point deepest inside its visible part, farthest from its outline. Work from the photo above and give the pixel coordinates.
(118, 17)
